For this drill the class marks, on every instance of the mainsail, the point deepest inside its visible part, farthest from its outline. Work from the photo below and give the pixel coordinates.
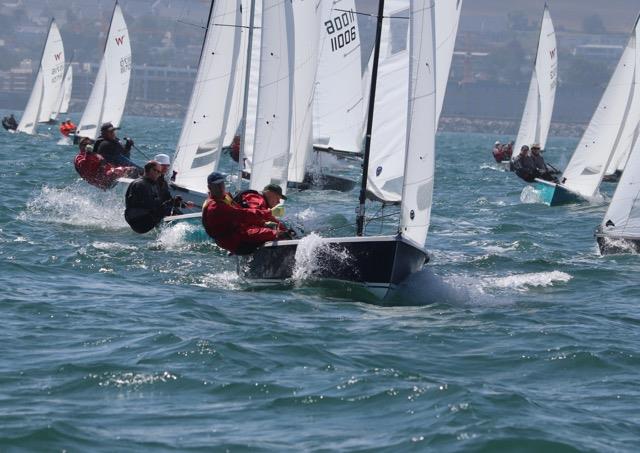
(611, 126)
(623, 215)
(64, 95)
(270, 160)
(109, 94)
(338, 102)
(47, 84)
(536, 118)
(386, 167)
(207, 121)
(417, 188)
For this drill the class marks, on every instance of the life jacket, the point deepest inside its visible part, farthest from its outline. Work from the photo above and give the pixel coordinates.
(96, 171)
(239, 197)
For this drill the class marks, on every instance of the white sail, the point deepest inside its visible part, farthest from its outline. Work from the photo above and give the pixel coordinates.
(447, 20)
(536, 118)
(606, 128)
(275, 91)
(109, 94)
(206, 122)
(306, 18)
(252, 89)
(338, 102)
(631, 125)
(64, 95)
(623, 215)
(417, 189)
(388, 141)
(47, 84)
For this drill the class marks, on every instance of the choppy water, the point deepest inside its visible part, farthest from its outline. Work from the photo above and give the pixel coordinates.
(517, 335)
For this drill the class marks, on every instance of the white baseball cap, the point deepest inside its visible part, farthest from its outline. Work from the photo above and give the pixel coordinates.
(162, 159)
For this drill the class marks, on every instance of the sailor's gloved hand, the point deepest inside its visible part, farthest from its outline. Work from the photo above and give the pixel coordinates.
(177, 201)
(277, 211)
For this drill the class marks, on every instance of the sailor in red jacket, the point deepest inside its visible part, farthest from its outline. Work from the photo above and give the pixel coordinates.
(234, 228)
(95, 170)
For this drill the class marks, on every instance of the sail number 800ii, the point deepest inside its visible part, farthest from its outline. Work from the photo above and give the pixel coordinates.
(342, 28)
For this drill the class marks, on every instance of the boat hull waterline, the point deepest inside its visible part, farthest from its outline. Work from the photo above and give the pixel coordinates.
(555, 194)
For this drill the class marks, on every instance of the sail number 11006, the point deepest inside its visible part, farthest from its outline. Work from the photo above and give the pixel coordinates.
(341, 30)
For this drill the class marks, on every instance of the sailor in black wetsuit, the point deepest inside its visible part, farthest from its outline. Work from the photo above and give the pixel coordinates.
(523, 166)
(542, 171)
(10, 123)
(144, 208)
(109, 147)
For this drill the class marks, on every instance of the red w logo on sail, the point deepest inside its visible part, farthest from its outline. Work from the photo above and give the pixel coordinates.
(57, 56)
(119, 40)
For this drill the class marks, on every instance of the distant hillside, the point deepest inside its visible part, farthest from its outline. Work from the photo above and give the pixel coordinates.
(618, 16)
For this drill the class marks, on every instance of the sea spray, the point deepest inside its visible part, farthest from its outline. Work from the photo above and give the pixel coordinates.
(77, 204)
(313, 254)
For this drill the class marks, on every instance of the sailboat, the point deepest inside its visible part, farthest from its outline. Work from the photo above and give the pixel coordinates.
(610, 132)
(109, 94)
(42, 101)
(64, 95)
(620, 227)
(536, 117)
(379, 263)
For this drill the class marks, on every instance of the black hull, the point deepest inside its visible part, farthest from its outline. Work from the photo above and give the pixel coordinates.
(376, 263)
(612, 245)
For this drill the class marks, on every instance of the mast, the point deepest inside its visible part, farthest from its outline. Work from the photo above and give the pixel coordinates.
(245, 101)
(367, 145)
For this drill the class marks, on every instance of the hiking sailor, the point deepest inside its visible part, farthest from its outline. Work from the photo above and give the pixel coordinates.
(67, 128)
(523, 166)
(109, 147)
(144, 207)
(239, 230)
(270, 198)
(163, 186)
(542, 171)
(95, 170)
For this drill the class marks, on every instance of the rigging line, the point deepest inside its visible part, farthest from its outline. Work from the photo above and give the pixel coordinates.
(217, 25)
(370, 14)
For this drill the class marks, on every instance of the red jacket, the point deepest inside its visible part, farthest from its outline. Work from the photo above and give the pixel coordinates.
(66, 129)
(254, 200)
(96, 171)
(239, 230)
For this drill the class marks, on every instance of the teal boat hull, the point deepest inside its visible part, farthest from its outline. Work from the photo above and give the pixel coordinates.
(555, 194)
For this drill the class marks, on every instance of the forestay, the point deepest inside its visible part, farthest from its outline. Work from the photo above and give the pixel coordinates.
(207, 122)
(417, 188)
(606, 128)
(64, 95)
(338, 101)
(275, 90)
(306, 21)
(47, 83)
(109, 94)
(623, 215)
(536, 118)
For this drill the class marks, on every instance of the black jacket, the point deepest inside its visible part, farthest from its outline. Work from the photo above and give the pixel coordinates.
(144, 208)
(111, 149)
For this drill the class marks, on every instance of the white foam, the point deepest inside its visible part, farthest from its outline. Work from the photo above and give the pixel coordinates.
(64, 141)
(78, 204)
(530, 195)
(312, 252)
(521, 282)
(175, 236)
(225, 280)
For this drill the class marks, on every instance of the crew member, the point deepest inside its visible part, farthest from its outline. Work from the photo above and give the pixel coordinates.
(234, 228)
(144, 208)
(95, 170)
(109, 147)
(67, 127)
(498, 152)
(523, 165)
(542, 171)
(9, 122)
(163, 188)
(270, 198)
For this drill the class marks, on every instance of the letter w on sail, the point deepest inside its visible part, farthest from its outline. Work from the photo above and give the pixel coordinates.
(57, 56)
(119, 40)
